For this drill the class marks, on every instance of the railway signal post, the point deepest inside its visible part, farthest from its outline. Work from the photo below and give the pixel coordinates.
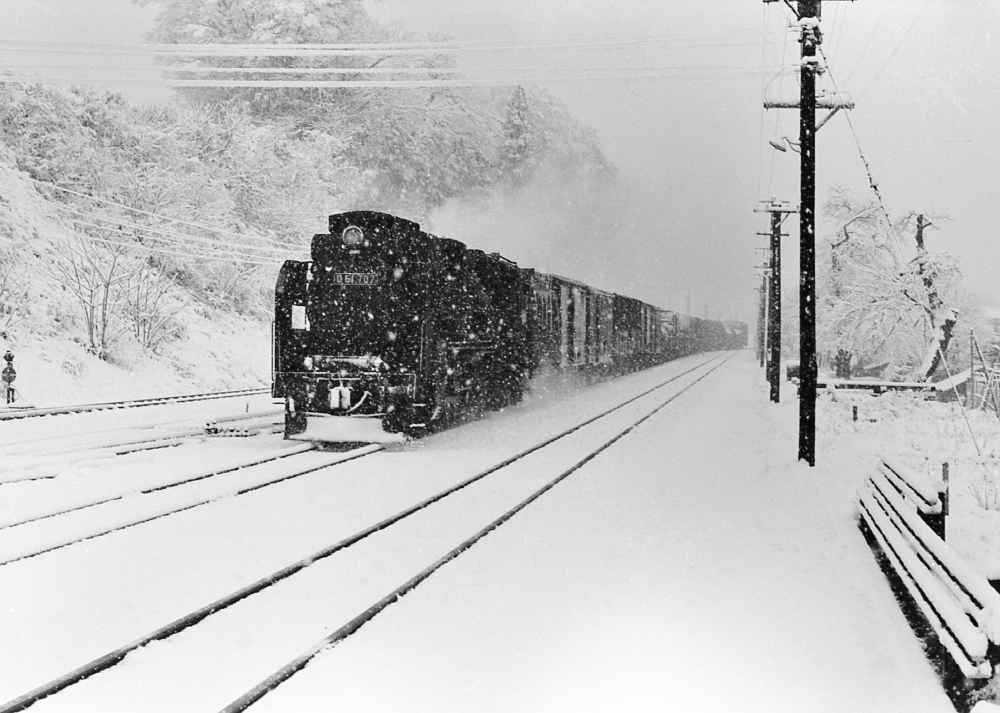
(807, 15)
(8, 375)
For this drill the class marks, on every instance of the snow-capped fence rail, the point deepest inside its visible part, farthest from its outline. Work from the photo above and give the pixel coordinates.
(929, 502)
(959, 604)
(876, 387)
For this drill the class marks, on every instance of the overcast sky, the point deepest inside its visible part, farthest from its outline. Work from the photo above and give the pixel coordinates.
(693, 151)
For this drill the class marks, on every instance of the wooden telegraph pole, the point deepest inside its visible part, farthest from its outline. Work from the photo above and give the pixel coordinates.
(808, 13)
(808, 16)
(763, 310)
(776, 210)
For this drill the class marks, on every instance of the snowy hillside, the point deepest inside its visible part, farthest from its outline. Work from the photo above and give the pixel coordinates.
(40, 322)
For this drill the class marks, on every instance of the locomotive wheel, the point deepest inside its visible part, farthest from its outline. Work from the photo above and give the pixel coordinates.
(411, 420)
(394, 421)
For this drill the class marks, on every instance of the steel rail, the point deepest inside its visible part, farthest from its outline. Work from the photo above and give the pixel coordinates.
(22, 447)
(351, 627)
(351, 455)
(141, 439)
(193, 479)
(114, 657)
(134, 403)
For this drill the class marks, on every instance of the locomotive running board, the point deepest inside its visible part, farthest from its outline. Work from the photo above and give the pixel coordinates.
(324, 428)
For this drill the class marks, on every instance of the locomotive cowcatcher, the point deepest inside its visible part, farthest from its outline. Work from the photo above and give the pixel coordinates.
(388, 329)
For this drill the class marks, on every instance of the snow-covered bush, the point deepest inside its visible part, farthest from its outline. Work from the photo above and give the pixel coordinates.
(984, 487)
(13, 294)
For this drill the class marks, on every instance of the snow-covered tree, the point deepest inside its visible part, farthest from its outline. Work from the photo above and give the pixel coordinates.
(520, 143)
(268, 22)
(259, 21)
(875, 302)
(935, 272)
(93, 268)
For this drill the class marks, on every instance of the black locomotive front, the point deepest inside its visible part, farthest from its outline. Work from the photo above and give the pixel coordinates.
(349, 330)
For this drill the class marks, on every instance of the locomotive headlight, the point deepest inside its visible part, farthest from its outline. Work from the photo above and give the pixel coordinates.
(353, 236)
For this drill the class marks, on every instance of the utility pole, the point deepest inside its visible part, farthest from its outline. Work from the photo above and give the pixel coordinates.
(763, 309)
(809, 22)
(808, 16)
(776, 209)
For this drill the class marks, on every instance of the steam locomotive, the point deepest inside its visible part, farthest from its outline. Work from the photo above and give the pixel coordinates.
(389, 331)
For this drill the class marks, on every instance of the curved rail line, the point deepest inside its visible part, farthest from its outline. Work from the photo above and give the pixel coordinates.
(114, 657)
(351, 627)
(134, 403)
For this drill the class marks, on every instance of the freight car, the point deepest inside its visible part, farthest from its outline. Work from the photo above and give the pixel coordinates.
(388, 330)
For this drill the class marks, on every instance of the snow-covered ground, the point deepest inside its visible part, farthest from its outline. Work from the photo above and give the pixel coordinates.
(694, 565)
(225, 354)
(923, 435)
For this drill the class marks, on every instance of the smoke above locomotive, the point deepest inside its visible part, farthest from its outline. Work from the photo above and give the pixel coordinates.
(389, 331)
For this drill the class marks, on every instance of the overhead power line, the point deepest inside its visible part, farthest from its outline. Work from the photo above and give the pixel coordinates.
(389, 84)
(175, 244)
(163, 251)
(179, 239)
(183, 64)
(202, 69)
(402, 48)
(139, 211)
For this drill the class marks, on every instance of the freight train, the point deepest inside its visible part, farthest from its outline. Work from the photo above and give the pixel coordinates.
(388, 331)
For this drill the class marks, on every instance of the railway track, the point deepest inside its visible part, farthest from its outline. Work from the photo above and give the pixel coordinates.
(586, 440)
(40, 458)
(99, 514)
(134, 403)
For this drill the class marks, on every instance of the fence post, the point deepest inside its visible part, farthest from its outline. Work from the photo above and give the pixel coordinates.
(943, 494)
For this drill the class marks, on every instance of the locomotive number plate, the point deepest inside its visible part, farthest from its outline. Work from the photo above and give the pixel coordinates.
(362, 279)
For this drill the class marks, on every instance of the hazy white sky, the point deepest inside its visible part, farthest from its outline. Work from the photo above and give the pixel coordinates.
(923, 74)
(694, 150)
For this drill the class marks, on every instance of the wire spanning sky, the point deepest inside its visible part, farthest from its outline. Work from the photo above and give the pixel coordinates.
(675, 93)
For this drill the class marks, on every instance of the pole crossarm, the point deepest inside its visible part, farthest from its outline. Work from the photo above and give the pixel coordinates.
(836, 102)
(833, 103)
(787, 2)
